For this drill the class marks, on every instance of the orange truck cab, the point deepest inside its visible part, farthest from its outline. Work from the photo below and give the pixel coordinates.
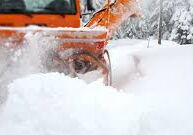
(49, 13)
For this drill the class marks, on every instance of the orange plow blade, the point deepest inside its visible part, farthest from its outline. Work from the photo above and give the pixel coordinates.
(74, 50)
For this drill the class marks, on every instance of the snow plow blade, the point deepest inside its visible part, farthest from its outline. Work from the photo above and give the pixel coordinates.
(76, 50)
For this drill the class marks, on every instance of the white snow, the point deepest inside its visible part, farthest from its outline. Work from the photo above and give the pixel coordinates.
(36, 28)
(152, 96)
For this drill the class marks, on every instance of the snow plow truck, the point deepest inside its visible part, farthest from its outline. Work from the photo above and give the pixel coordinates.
(86, 43)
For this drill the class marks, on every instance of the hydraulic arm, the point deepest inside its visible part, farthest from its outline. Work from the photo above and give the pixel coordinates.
(113, 15)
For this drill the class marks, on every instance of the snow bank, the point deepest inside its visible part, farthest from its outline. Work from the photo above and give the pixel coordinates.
(56, 104)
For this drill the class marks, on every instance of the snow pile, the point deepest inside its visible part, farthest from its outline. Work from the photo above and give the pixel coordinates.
(52, 104)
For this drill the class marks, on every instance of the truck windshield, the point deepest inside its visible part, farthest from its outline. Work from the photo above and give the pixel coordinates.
(38, 6)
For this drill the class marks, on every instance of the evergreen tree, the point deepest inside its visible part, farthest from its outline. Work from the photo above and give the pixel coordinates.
(183, 24)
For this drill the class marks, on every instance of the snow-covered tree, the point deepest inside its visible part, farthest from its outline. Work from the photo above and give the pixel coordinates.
(133, 28)
(183, 24)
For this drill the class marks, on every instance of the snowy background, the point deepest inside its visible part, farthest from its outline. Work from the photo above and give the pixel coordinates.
(177, 21)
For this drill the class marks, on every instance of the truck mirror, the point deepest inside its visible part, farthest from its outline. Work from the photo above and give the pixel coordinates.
(90, 5)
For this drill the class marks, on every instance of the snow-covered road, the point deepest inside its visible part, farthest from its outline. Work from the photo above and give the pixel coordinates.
(152, 95)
